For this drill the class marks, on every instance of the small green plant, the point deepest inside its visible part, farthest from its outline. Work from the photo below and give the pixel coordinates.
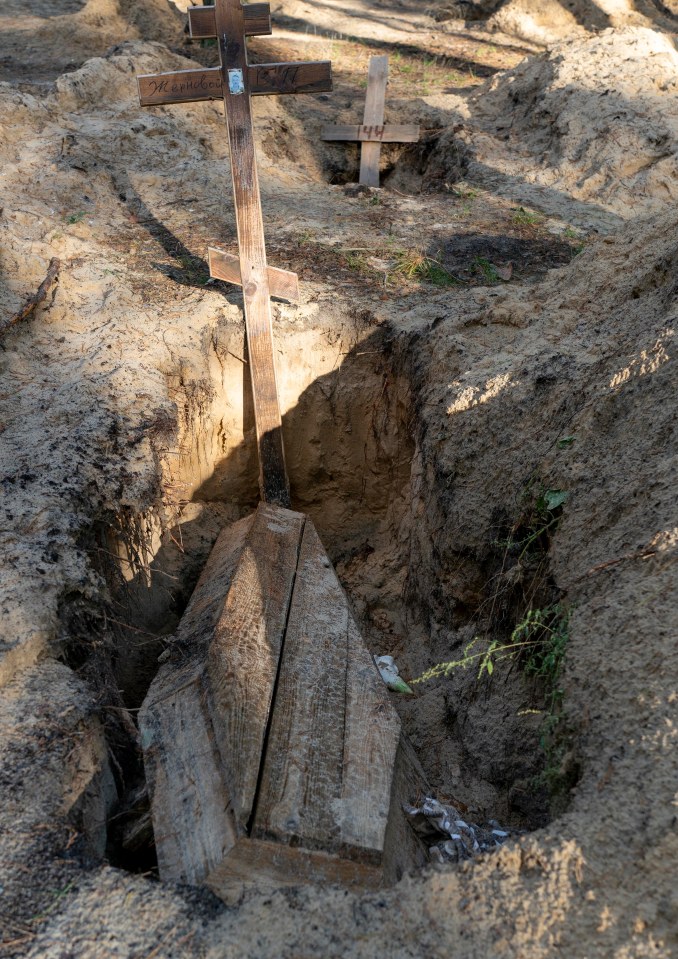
(357, 261)
(194, 269)
(487, 270)
(538, 641)
(536, 523)
(75, 217)
(524, 217)
(464, 193)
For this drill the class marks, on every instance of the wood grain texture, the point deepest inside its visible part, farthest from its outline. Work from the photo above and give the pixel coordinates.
(371, 742)
(389, 133)
(281, 283)
(207, 601)
(192, 821)
(377, 78)
(272, 78)
(328, 779)
(242, 662)
(302, 774)
(271, 865)
(182, 86)
(202, 23)
(273, 481)
(403, 849)
(273, 727)
(192, 818)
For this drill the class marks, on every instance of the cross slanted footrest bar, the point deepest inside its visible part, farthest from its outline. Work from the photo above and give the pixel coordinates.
(373, 132)
(235, 81)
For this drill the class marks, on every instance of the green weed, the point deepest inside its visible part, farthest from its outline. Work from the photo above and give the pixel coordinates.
(523, 217)
(487, 270)
(538, 641)
(415, 265)
(194, 268)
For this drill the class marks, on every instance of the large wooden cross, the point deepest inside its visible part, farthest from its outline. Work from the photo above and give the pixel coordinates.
(235, 81)
(373, 132)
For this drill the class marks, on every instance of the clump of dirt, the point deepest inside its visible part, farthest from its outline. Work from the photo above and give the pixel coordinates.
(594, 119)
(547, 22)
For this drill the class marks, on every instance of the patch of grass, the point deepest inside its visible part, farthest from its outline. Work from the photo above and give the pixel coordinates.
(464, 193)
(357, 261)
(304, 237)
(194, 269)
(415, 265)
(523, 217)
(485, 269)
(75, 217)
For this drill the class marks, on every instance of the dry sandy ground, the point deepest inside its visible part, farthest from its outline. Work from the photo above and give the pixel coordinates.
(498, 321)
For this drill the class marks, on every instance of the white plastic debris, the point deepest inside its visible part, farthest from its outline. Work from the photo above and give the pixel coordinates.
(389, 673)
(434, 820)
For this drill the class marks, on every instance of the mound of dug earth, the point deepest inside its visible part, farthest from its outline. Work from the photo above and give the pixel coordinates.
(595, 119)
(572, 386)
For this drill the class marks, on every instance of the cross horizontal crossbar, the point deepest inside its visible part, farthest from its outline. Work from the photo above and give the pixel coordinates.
(189, 86)
(202, 22)
(305, 77)
(388, 133)
(225, 266)
(182, 86)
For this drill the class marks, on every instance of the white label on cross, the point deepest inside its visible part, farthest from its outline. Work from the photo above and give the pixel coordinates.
(236, 83)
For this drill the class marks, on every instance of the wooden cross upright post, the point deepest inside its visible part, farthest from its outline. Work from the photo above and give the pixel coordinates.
(235, 81)
(373, 131)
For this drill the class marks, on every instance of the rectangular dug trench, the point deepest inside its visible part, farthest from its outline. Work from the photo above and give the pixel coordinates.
(272, 752)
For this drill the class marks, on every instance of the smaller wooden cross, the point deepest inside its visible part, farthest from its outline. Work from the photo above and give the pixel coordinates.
(234, 82)
(373, 131)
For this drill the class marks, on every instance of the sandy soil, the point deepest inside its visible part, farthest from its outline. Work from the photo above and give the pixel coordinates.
(496, 322)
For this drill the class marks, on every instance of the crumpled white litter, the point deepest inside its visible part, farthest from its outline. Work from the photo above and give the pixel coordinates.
(433, 819)
(389, 673)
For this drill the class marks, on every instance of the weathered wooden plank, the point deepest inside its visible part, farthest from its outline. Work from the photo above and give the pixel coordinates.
(242, 662)
(371, 742)
(377, 77)
(388, 133)
(273, 480)
(192, 821)
(303, 767)
(182, 86)
(202, 22)
(271, 865)
(336, 769)
(270, 78)
(207, 600)
(404, 851)
(225, 266)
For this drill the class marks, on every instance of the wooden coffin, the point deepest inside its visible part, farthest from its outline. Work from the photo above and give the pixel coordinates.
(272, 750)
